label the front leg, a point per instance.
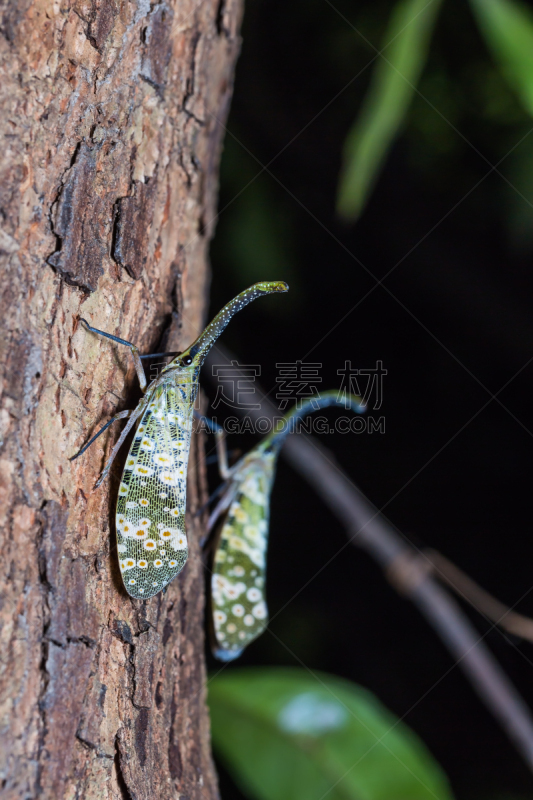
(139, 369)
(131, 422)
(220, 441)
(120, 415)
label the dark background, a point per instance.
(452, 325)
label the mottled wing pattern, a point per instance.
(152, 544)
(239, 565)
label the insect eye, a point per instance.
(186, 361)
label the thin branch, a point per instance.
(463, 585)
(369, 530)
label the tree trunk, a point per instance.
(111, 140)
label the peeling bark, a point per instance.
(108, 176)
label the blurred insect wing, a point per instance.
(239, 610)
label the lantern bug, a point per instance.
(239, 610)
(150, 517)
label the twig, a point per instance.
(463, 585)
(368, 529)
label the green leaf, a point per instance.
(286, 735)
(507, 26)
(394, 79)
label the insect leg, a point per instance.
(120, 415)
(220, 441)
(218, 491)
(233, 455)
(139, 369)
(131, 422)
(222, 453)
(160, 355)
(210, 424)
(221, 507)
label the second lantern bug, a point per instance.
(238, 602)
(150, 516)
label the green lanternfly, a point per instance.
(150, 521)
(239, 611)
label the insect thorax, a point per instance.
(184, 378)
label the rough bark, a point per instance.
(110, 148)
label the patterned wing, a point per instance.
(239, 567)
(152, 544)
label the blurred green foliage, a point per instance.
(507, 28)
(285, 734)
(398, 67)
